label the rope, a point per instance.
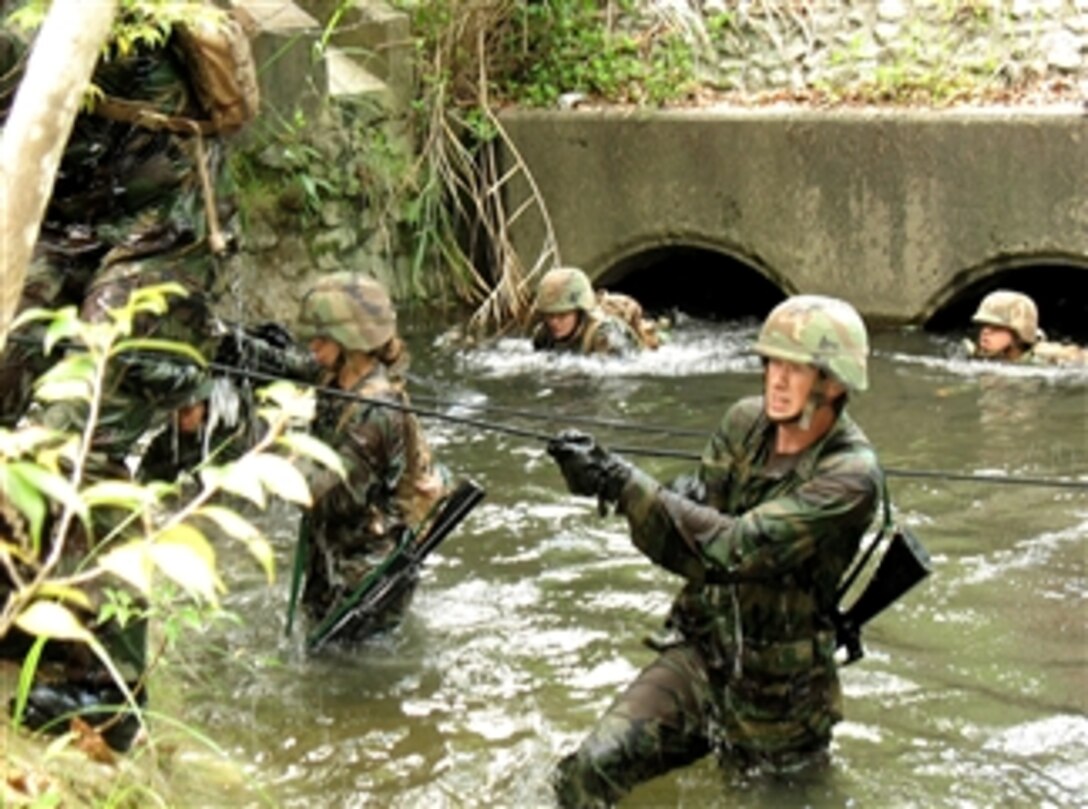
(646, 452)
(634, 451)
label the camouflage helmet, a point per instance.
(351, 309)
(1012, 310)
(826, 333)
(564, 289)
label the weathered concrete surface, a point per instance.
(896, 211)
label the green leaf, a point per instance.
(70, 378)
(261, 550)
(64, 325)
(161, 346)
(119, 493)
(236, 526)
(232, 523)
(309, 447)
(62, 592)
(235, 479)
(48, 619)
(184, 555)
(26, 498)
(53, 485)
(14, 443)
(280, 476)
(26, 680)
(295, 402)
(131, 563)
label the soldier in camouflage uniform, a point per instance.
(128, 209)
(134, 204)
(391, 484)
(746, 669)
(572, 322)
(1009, 331)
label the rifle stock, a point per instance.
(401, 568)
(903, 564)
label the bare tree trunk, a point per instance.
(37, 130)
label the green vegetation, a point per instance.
(80, 551)
(139, 23)
(576, 46)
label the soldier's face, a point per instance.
(786, 388)
(325, 352)
(191, 417)
(995, 340)
(561, 325)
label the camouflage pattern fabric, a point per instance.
(1010, 310)
(596, 333)
(749, 672)
(351, 309)
(564, 289)
(630, 312)
(126, 210)
(356, 523)
(816, 330)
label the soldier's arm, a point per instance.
(614, 338)
(776, 536)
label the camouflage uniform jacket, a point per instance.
(782, 531)
(126, 210)
(597, 333)
(357, 522)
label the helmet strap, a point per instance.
(817, 398)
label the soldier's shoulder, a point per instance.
(611, 334)
(1050, 353)
(742, 417)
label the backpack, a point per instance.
(219, 62)
(222, 71)
(629, 311)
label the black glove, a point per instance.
(691, 487)
(588, 468)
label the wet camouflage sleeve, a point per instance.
(357, 522)
(613, 337)
(759, 527)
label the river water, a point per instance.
(529, 619)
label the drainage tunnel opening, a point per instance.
(699, 283)
(1057, 290)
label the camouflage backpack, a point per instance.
(216, 52)
(629, 311)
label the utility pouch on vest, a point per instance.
(903, 563)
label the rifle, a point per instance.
(902, 565)
(268, 348)
(302, 553)
(399, 570)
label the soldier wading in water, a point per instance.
(1009, 332)
(573, 322)
(746, 669)
(350, 325)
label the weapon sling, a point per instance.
(903, 563)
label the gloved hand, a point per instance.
(588, 468)
(691, 487)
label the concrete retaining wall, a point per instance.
(895, 210)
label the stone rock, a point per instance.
(892, 10)
(1063, 51)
